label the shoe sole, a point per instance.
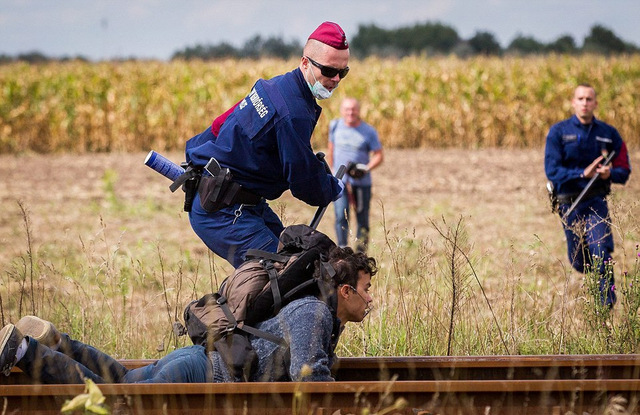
(37, 329)
(3, 343)
(6, 337)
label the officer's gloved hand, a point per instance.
(341, 183)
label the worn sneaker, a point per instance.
(10, 339)
(41, 330)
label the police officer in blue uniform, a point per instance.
(261, 147)
(574, 153)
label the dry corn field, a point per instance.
(414, 102)
(93, 240)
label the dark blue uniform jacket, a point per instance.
(572, 146)
(266, 142)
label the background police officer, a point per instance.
(574, 153)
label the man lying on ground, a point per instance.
(309, 326)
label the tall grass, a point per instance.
(430, 299)
(413, 102)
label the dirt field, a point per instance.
(105, 200)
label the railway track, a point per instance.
(585, 384)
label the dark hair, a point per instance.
(348, 263)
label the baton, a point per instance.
(588, 186)
(320, 212)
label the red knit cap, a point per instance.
(330, 34)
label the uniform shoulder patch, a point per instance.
(255, 111)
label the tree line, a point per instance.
(437, 38)
(431, 38)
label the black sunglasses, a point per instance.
(329, 71)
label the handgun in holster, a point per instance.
(218, 190)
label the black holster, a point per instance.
(219, 191)
(189, 180)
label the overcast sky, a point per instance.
(103, 29)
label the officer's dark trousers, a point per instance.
(231, 231)
(589, 237)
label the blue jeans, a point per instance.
(588, 234)
(71, 364)
(189, 364)
(361, 199)
(257, 227)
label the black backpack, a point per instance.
(256, 291)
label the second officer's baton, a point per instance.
(588, 186)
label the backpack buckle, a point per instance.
(221, 300)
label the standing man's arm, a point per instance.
(377, 157)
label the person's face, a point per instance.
(328, 57)
(355, 300)
(584, 103)
(350, 111)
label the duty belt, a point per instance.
(215, 185)
(233, 193)
(218, 190)
(569, 198)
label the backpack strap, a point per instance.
(267, 336)
(323, 285)
(260, 254)
(221, 300)
(273, 283)
(266, 260)
(299, 288)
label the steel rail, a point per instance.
(425, 397)
(490, 367)
(626, 366)
(428, 385)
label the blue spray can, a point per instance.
(163, 165)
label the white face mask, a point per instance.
(318, 90)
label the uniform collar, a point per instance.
(577, 123)
(306, 92)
